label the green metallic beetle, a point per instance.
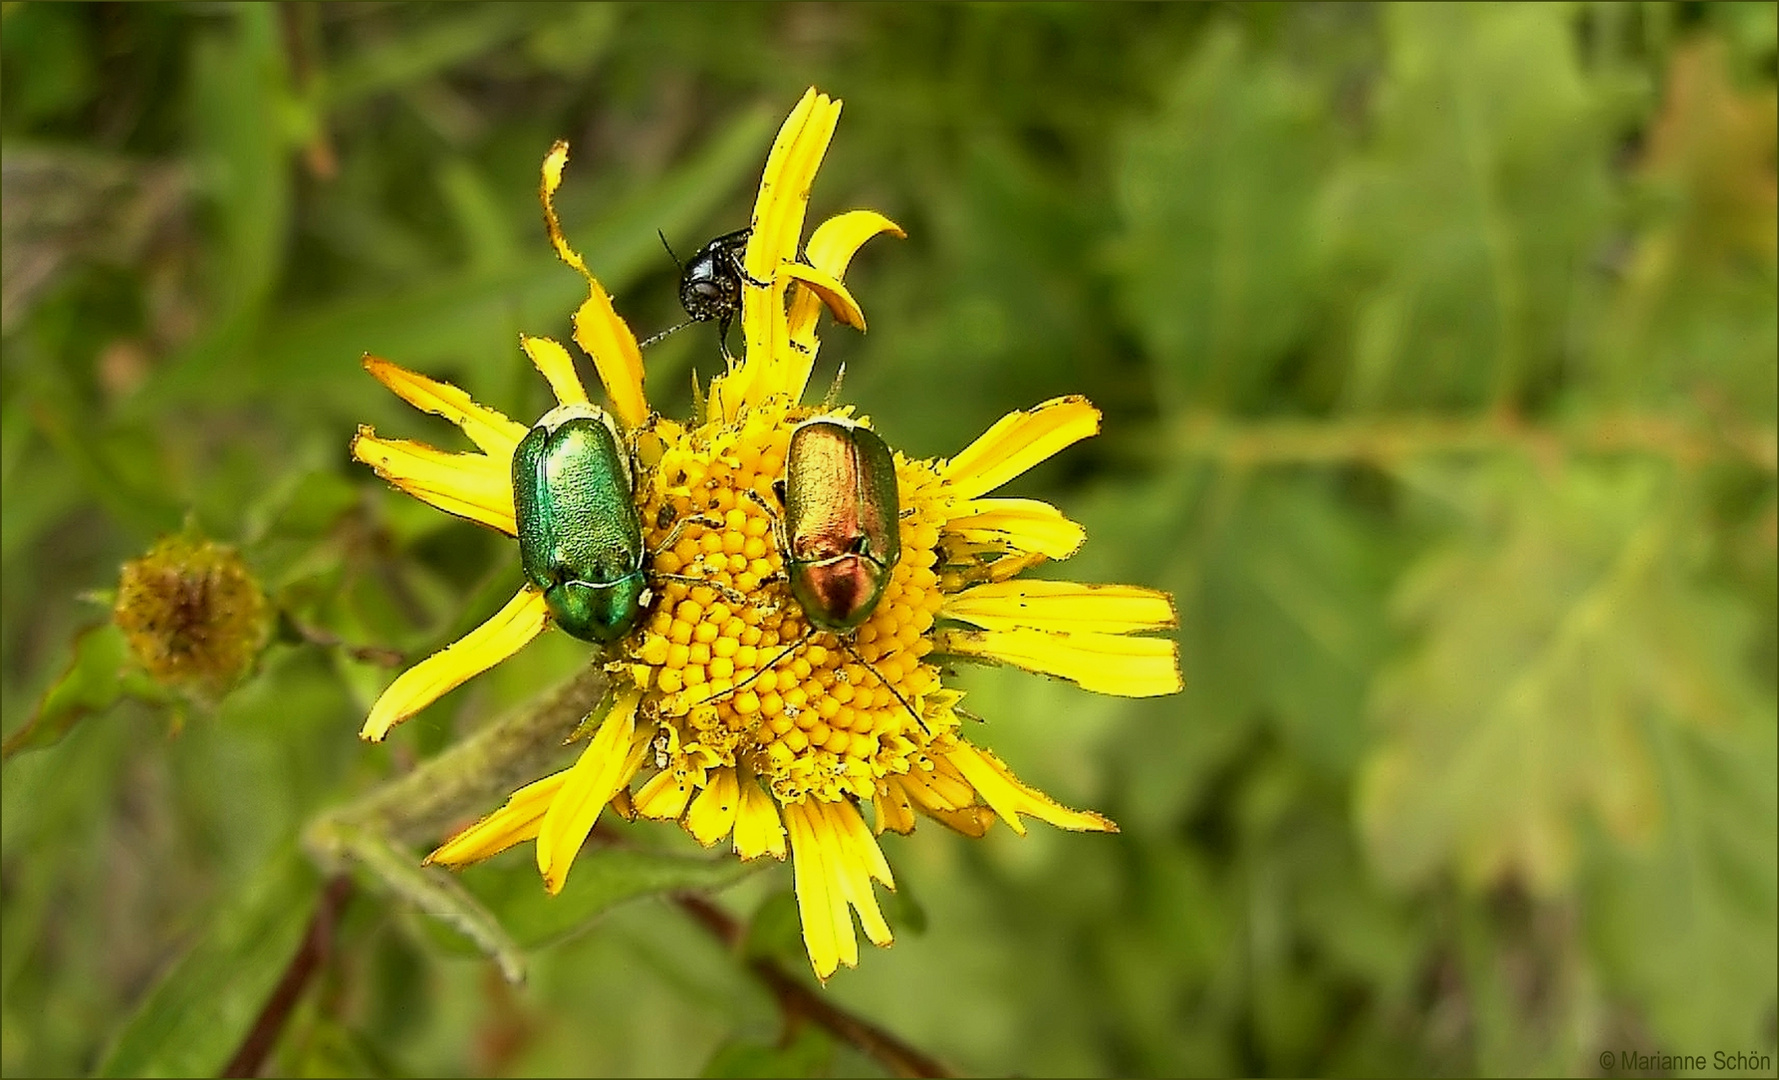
(580, 539)
(841, 531)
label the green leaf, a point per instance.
(775, 931)
(602, 879)
(466, 316)
(1560, 644)
(1685, 924)
(1693, 312)
(194, 1019)
(96, 677)
(807, 1054)
(1216, 193)
(328, 1048)
(1465, 229)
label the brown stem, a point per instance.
(317, 942)
(796, 999)
(380, 655)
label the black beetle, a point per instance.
(710, 284)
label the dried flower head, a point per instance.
(193, 613)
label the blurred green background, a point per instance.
(1437, 350)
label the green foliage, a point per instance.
(600, 881)
(191, 1021)
(97, 677)
(1437, 349)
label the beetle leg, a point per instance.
(723, 335)
(681, 525)
(741, 272)
(734, 596)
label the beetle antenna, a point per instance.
(788, 650)
(897, 694)
(670, 254)
(651, 339)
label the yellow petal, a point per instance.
(1018, 441)
(713, 812)
(508, 631)
(850, 827)
(777, 227)
(893, 810)
(608, 763)
(494, 433)
(836, 240)
(554, 162)
(597, 328)
(942, 788)
(790, 371)
(947, 799)
(1022, 524)
(513, 823)
(1010, 798)
(607, 339)
(665, 796)
(971, 821)
(758, 830)
(557, 367)
(473, 486)
(831, 292)
(1103, 663)
(1064, 606)
(830, 250)
(821, 906)
(854, 854)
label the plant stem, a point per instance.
(311, 955)
(373, 833)
(462, 781)
(796, 999)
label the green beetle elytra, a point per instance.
(841, 526)
(580, 540)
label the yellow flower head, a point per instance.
(731, 712)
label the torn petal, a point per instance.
(713, 812)
(513, 823)
(557, 367)
(830, 250)
(758, 830)
(472, 486)
(1062, 606)
(1103, 663)
(1017, 442)
(1010, 797)
(830, 291)
(490, 430)
(1021, 524)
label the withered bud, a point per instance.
(193, 613)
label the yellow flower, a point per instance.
(730, 713)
